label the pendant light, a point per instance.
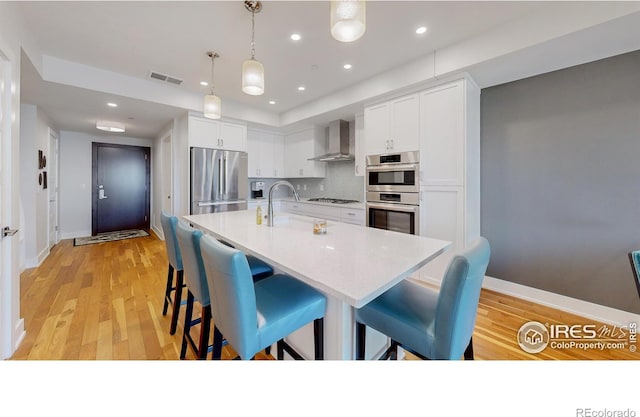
(252, 70)
(212, 107)
(348, 20)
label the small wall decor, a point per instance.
(40, 179)
(40, 159)
(44, 179)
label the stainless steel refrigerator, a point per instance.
(218, 180)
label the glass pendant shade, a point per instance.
(252, 77)
(348, 21)
(212, 106)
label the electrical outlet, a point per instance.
(304, 187)
(321, 187)
(298, 187)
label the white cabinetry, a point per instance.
(340, 214)
(266, 154)
(450, 165)
(301, 146)
(392, 126)
(207, 133)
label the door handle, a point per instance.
(101, 195)
(8, 232)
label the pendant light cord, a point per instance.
(213, 57)
(253, 35)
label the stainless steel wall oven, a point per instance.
(393, 192)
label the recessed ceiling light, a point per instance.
(295, 37)
(112, 105)
(421, 30)
(301, 88)
(110, 126)
(204, 83)
(347, 66)
(272, 102)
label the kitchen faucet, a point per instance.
(273, 187)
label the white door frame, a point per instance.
(54, 196)
(167, 174)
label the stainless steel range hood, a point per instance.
(338, 149)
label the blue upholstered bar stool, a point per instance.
(430, 324)
(634, 257)
(198, 289)
(175, 264)
(253, 317)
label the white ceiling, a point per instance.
(134, 38)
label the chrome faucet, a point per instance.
(273, 187)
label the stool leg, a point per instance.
(217, 343)
(318, 338)
(361, 336)
(177, 299)
(187, 324)
(205, 326)
(280, 346)
(468, 353)
(167, 292)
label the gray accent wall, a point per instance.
(560, 180)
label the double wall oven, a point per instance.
(393, 191)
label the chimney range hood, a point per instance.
(338, 143)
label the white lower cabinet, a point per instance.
(340, 214)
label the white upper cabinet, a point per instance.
(442, 138)
(299, 147)
(393, 126)
(266, 154)
(207, 133)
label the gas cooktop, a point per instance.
(333, 200)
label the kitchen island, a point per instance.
(350, 264)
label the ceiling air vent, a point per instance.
(163, 77)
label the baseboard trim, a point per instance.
(71, 235)
(18, 334)
(158, 232)
(581, 308)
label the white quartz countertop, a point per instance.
(352, 263)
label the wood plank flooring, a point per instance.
(104, 301)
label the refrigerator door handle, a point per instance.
(219, 203)
(224, 170)
(220, 176)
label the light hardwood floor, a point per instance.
(104, 301)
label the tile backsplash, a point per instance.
(340, 182)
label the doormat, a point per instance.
(109, 237)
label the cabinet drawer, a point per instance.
(353, 216)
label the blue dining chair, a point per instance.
(634, 258)
(252, 317)
(173, 292)
(198, 289)
(428, 323)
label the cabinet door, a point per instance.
(253, 153)
(442, 147)
(299, 147)
(266, 155)
(203, 133)
(233, 137)
(442, 217)
(360, 162)
(404, 127)
(376, 129)
(294, 153)
(278, 156)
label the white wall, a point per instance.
(75, 178)
(34, 136)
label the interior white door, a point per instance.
(8, 265)
(52, 166)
